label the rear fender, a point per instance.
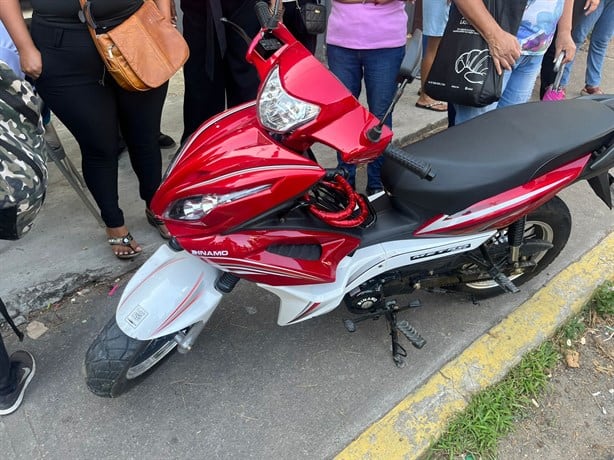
(170, 292)
(597, 173)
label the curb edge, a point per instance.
(408, 429)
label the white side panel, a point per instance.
(299, 303)
(170, 292)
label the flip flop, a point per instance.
(433, 106)
(157, 223)
(125, 242)
(589, 90)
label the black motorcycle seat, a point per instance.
(497, 151)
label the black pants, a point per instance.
(233, 81)
(7, 380)
(547, 73)
(77, 89)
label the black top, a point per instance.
(66, 11)
(228, 6)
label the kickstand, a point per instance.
(389, 311)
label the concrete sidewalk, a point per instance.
(250, 388)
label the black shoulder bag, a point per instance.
(463, 71)
(314, 16)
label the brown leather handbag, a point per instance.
(142, 52)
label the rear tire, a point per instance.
(550, 222)
(114, 362)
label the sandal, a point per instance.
(125, 242)
(590, 90)
(158, 223)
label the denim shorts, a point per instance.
(434, 17)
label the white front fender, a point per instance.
(170, 292)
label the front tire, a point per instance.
(550, 222)
(114, 362)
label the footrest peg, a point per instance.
(411, 334)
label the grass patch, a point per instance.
(491, 414)
(602, 302)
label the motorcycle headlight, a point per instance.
(196, 207)
(280, 112)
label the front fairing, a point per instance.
(232, 152)
(342, 123)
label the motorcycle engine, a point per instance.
(364, 300)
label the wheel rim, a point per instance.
(532, 229)
(151, 355)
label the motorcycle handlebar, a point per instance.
(420, 168)
(264, 15)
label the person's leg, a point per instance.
(582, 27)
(242, 80)
(139, 116)
(71, 88)
(547, 73)
(77, 88)
(16, 374)
(346, 64)
(424, 100)
(451, 115)
(7, 382)
(381, 68)
(463, 113)
(434, 19)
(519, 85)
(600, 38)
(203, 96)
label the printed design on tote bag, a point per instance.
(473, 65)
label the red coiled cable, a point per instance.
(341, 218)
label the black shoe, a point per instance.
(165, 141)
(24, 366)
(372, 191)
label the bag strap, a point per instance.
(9, 320)
(85, 14)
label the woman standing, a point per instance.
(61, 59)
(366, 40)
(216, 75)
(600, 27)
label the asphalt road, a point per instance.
(251, 389)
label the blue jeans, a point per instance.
(601, 22)
(517, 88)
(379, 68)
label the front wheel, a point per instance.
(550, 223)
(114, 362)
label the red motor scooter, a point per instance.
(473, 208)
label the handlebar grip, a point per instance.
(263, 13)
(420, 168)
